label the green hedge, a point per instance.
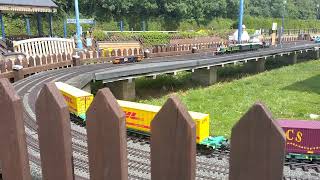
(15, 25)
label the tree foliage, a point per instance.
(172, 15)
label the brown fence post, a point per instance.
(13, 151)
(54, 134)
(9, 65)
(38, 60)
(173, 143)
(2, 67)
(106, 133)
(257, 147)
(43, 60)
(64, 56)
(76, 60)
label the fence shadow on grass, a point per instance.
(310, 85)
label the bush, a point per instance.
(99, 35)
(154, 38)
(220, 23)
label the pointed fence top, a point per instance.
(173, 143)
(106, 131)
(13, 153)
(7, 90)
(54, 133)
(257, 146)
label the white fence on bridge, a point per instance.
(44, 46)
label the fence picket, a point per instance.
(13, 151)
(2, 67)
(38, 61)
(54, 133)
(107, 126)
(173, 143)
(257, 147)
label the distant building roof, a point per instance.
(28, 6)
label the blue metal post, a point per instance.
(143, 26)
(2, 27)
(121, 25)
(50, 25)
(282, 26)
(28, 26)
(240, 21)
(39, 23)
(65, 28)
(79, 42)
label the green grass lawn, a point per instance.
(289, 92)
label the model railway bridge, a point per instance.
(203, 67)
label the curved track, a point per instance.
(138, 152)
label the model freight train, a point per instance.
(234, 48)
(221, 49)
(138, 116)
(302, 136)
(127, 59)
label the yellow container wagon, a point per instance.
(139, 117)
(77, 100)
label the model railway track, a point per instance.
(213, 165)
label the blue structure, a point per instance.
(2, 27)
(65, 29)
(50, 24)
(240, 21)
(79, 42)
(143, 26)
(28, 26)
(39, 24)
(283, 14)
(121, 26)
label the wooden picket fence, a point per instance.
(39, 63)
(257, 142)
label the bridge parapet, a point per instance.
(44, 46)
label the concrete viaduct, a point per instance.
(121, 79)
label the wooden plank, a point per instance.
(257, 147)
(9, 65)
(2, 67)
(31, 62)
(17, 61)
(13, 151)
(173, 143)
(59, 57)
(107, 125)
(54, 58)
(95, 54)
(36, 69)
(38, 61)
(54, 133)
(8, 75)
(68, 57)
(43, 60)
(64, 56)
(81, 55)
(49, 59)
